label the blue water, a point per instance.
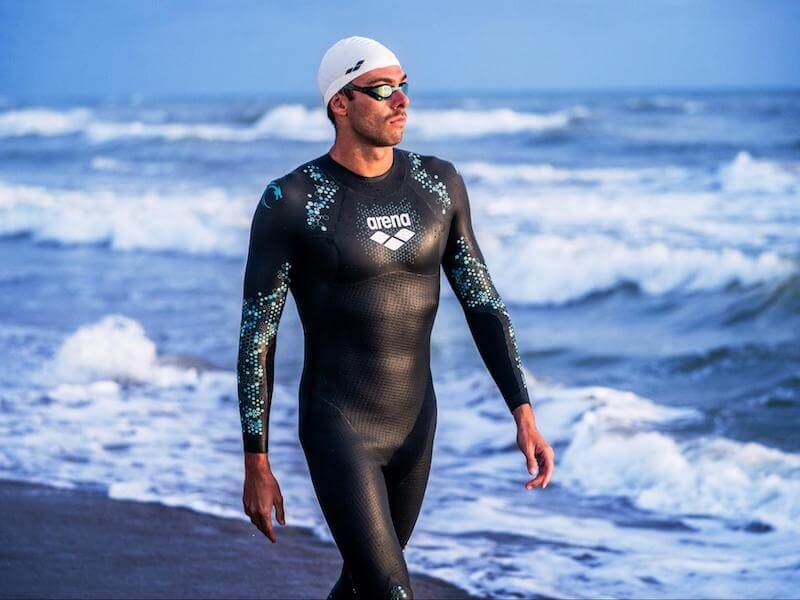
(646, 245)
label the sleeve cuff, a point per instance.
(517, 399)
(254, 443)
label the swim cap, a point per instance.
(347, 59)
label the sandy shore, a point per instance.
(78, 544)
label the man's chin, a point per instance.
(385, 138)
(389, 140)
(395, 137)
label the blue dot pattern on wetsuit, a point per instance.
(260, 316)
(365, 255)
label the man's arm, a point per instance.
(266, 284)
(491, 328)
(484, 309)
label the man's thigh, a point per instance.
(350, 486)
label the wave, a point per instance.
(111, 352)
(44, 122)
(544, 173)
(207, 221)
(559, 269)
(743, 173)
(730, 358)
(128, 430)
(748, 174)
(459, 123)
(107, 378)
(662, 103)
(287, 121)
(779, 300)
(290, 121)
(615, 443)
(115, 165)
(707, 475)
(126, 417)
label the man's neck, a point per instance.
(363, 159)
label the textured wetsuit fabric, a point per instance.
(362, 258)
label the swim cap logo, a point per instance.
(395, 241)
(355, 67)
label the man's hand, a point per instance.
(538, 453)
(261, 493)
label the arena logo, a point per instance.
(396, 240)
(386, 221)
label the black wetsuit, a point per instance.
(361, 256)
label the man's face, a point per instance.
(379, 122)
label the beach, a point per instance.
(62, 543)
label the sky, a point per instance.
(166, 47)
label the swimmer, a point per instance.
(359, 236)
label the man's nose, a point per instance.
(399, 99)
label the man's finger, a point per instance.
(269, 531)
(546, 477)
(551, 465)
(258, 522)
(535, 481)
(531, 460)
(548, 472)
(279, 510)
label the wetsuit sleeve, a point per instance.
(486, 313)
(266, 283)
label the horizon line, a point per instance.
(686, 89)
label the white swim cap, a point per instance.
(347, 59)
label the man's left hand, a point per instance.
(538, 453)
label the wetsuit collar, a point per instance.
(379, 185)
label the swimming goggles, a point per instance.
(380, 92)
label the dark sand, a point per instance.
(78, 544)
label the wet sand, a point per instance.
(58, 543)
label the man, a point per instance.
(359, 236)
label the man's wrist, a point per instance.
(524, 416)
(258, 461)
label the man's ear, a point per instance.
(338, 104)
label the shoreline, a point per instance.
(66, 543)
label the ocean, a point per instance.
(646, 244)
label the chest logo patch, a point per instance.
(397, 239)
(389, 232)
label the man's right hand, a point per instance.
(261, 493)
